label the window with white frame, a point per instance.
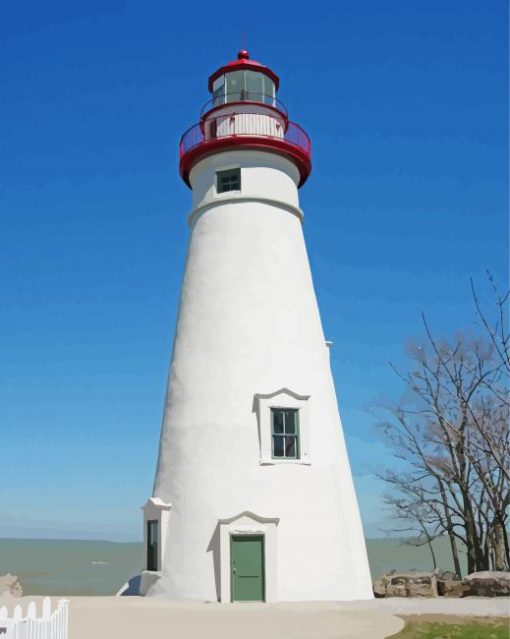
(156, 515)
(283, 421)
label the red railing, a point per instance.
(253, 125)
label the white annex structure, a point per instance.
(253, 497)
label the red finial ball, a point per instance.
(243, 55)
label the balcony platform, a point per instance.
(253, 128)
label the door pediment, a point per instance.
(247, 517)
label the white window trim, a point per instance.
(282, 398)
(248, 523)
(156, 509)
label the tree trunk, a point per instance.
(499, 547)
(475, 555)
(488, 551)
(449, 529)
(434, 562)
(455, 552)
(506, 547)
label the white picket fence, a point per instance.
(49, 625)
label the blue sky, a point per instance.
(406, 105)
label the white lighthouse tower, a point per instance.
(253, 497)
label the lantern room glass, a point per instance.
(219, 90)
(254, 86)
(241, 86)
(235, 86)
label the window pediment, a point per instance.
(282, 391)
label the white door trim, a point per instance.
(247, 523)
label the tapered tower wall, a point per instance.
(249, 334)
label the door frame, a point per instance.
(262, 538)
(249, 523)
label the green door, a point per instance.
(247, 567)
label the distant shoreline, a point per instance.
(139, 541)
(92, 567)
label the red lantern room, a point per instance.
(244, 113)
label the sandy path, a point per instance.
(137, 618)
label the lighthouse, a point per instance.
(253, 497)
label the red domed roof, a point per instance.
(243, 62)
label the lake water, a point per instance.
(69, 567)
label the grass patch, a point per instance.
(449, 627)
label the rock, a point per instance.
(10, 586)
(452, 588)
(408, 584)
(379, 587)
(397, 587)
(446, 575)
(442, 583)
(488, 583)
(421, 584)
(489, 574)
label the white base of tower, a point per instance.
(249, 337)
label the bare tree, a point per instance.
(451, 435)
(410, 506)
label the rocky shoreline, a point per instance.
(441, 583)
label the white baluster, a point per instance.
(31, 611)
(44, 630)
(66, 618)
(46, 608)
(16, 616)
(28, 631)
(4, 622)
(58, 621)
